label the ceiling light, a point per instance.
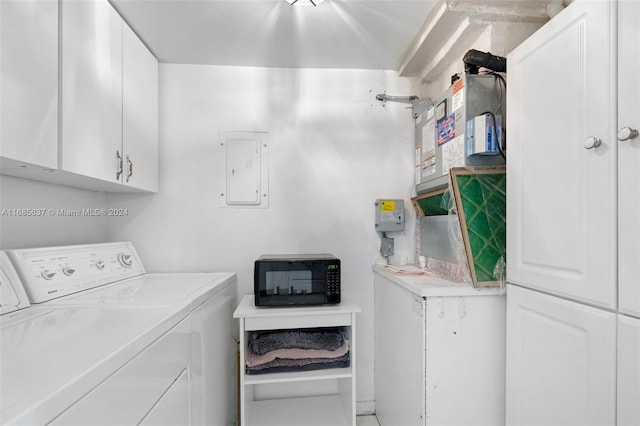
(304, 2)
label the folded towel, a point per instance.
(291, 365)
(253, 360)
(329, 339)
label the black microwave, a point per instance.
(304, 279)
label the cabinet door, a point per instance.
(629, 156)
(561, 197)
(91, 89)
(465, 356)
(29, 81)
(628, 371)
(399, 355)
(139, 113)
(561, 361)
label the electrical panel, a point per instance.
(389, 215)
(243, 169)
(461, 128)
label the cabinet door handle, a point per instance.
(627, 133)
(592, 142)
(130, 168)
(118, 165)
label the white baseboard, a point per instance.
(365, 408)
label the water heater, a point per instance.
(464, 127)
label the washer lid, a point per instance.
(166, 289)
(12, 294)
(52, 356)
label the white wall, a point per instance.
(19, 229)
(333, 149)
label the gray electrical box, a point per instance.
(389, 215)
(458, 130)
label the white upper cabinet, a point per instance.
(561, 186)
(91, 89)
(79, 104)
(29, 81)
(139, 113)
(629, 156)
(110, 98)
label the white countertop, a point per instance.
(427, 284)
(52, 354)
(248, 309)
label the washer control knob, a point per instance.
(125, 259)
(68, 271)
(48, 274)
(100, 264)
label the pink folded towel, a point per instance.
(253, 360)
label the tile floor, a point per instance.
(367, 421)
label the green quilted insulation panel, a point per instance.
(483, 199)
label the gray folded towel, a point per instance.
(330, 339)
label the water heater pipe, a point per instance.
(406, 99)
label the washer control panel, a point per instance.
(52, 272)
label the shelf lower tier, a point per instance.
(310, 411)
(302, 376)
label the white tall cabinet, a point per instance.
(561, 361)
(572, 229)
(628, 371)
(629, 157)
(628, 213)
(562, 197)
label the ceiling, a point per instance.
(359, 34)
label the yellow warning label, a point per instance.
(388, 206)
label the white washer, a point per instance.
(53, 357)
(94, 309)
